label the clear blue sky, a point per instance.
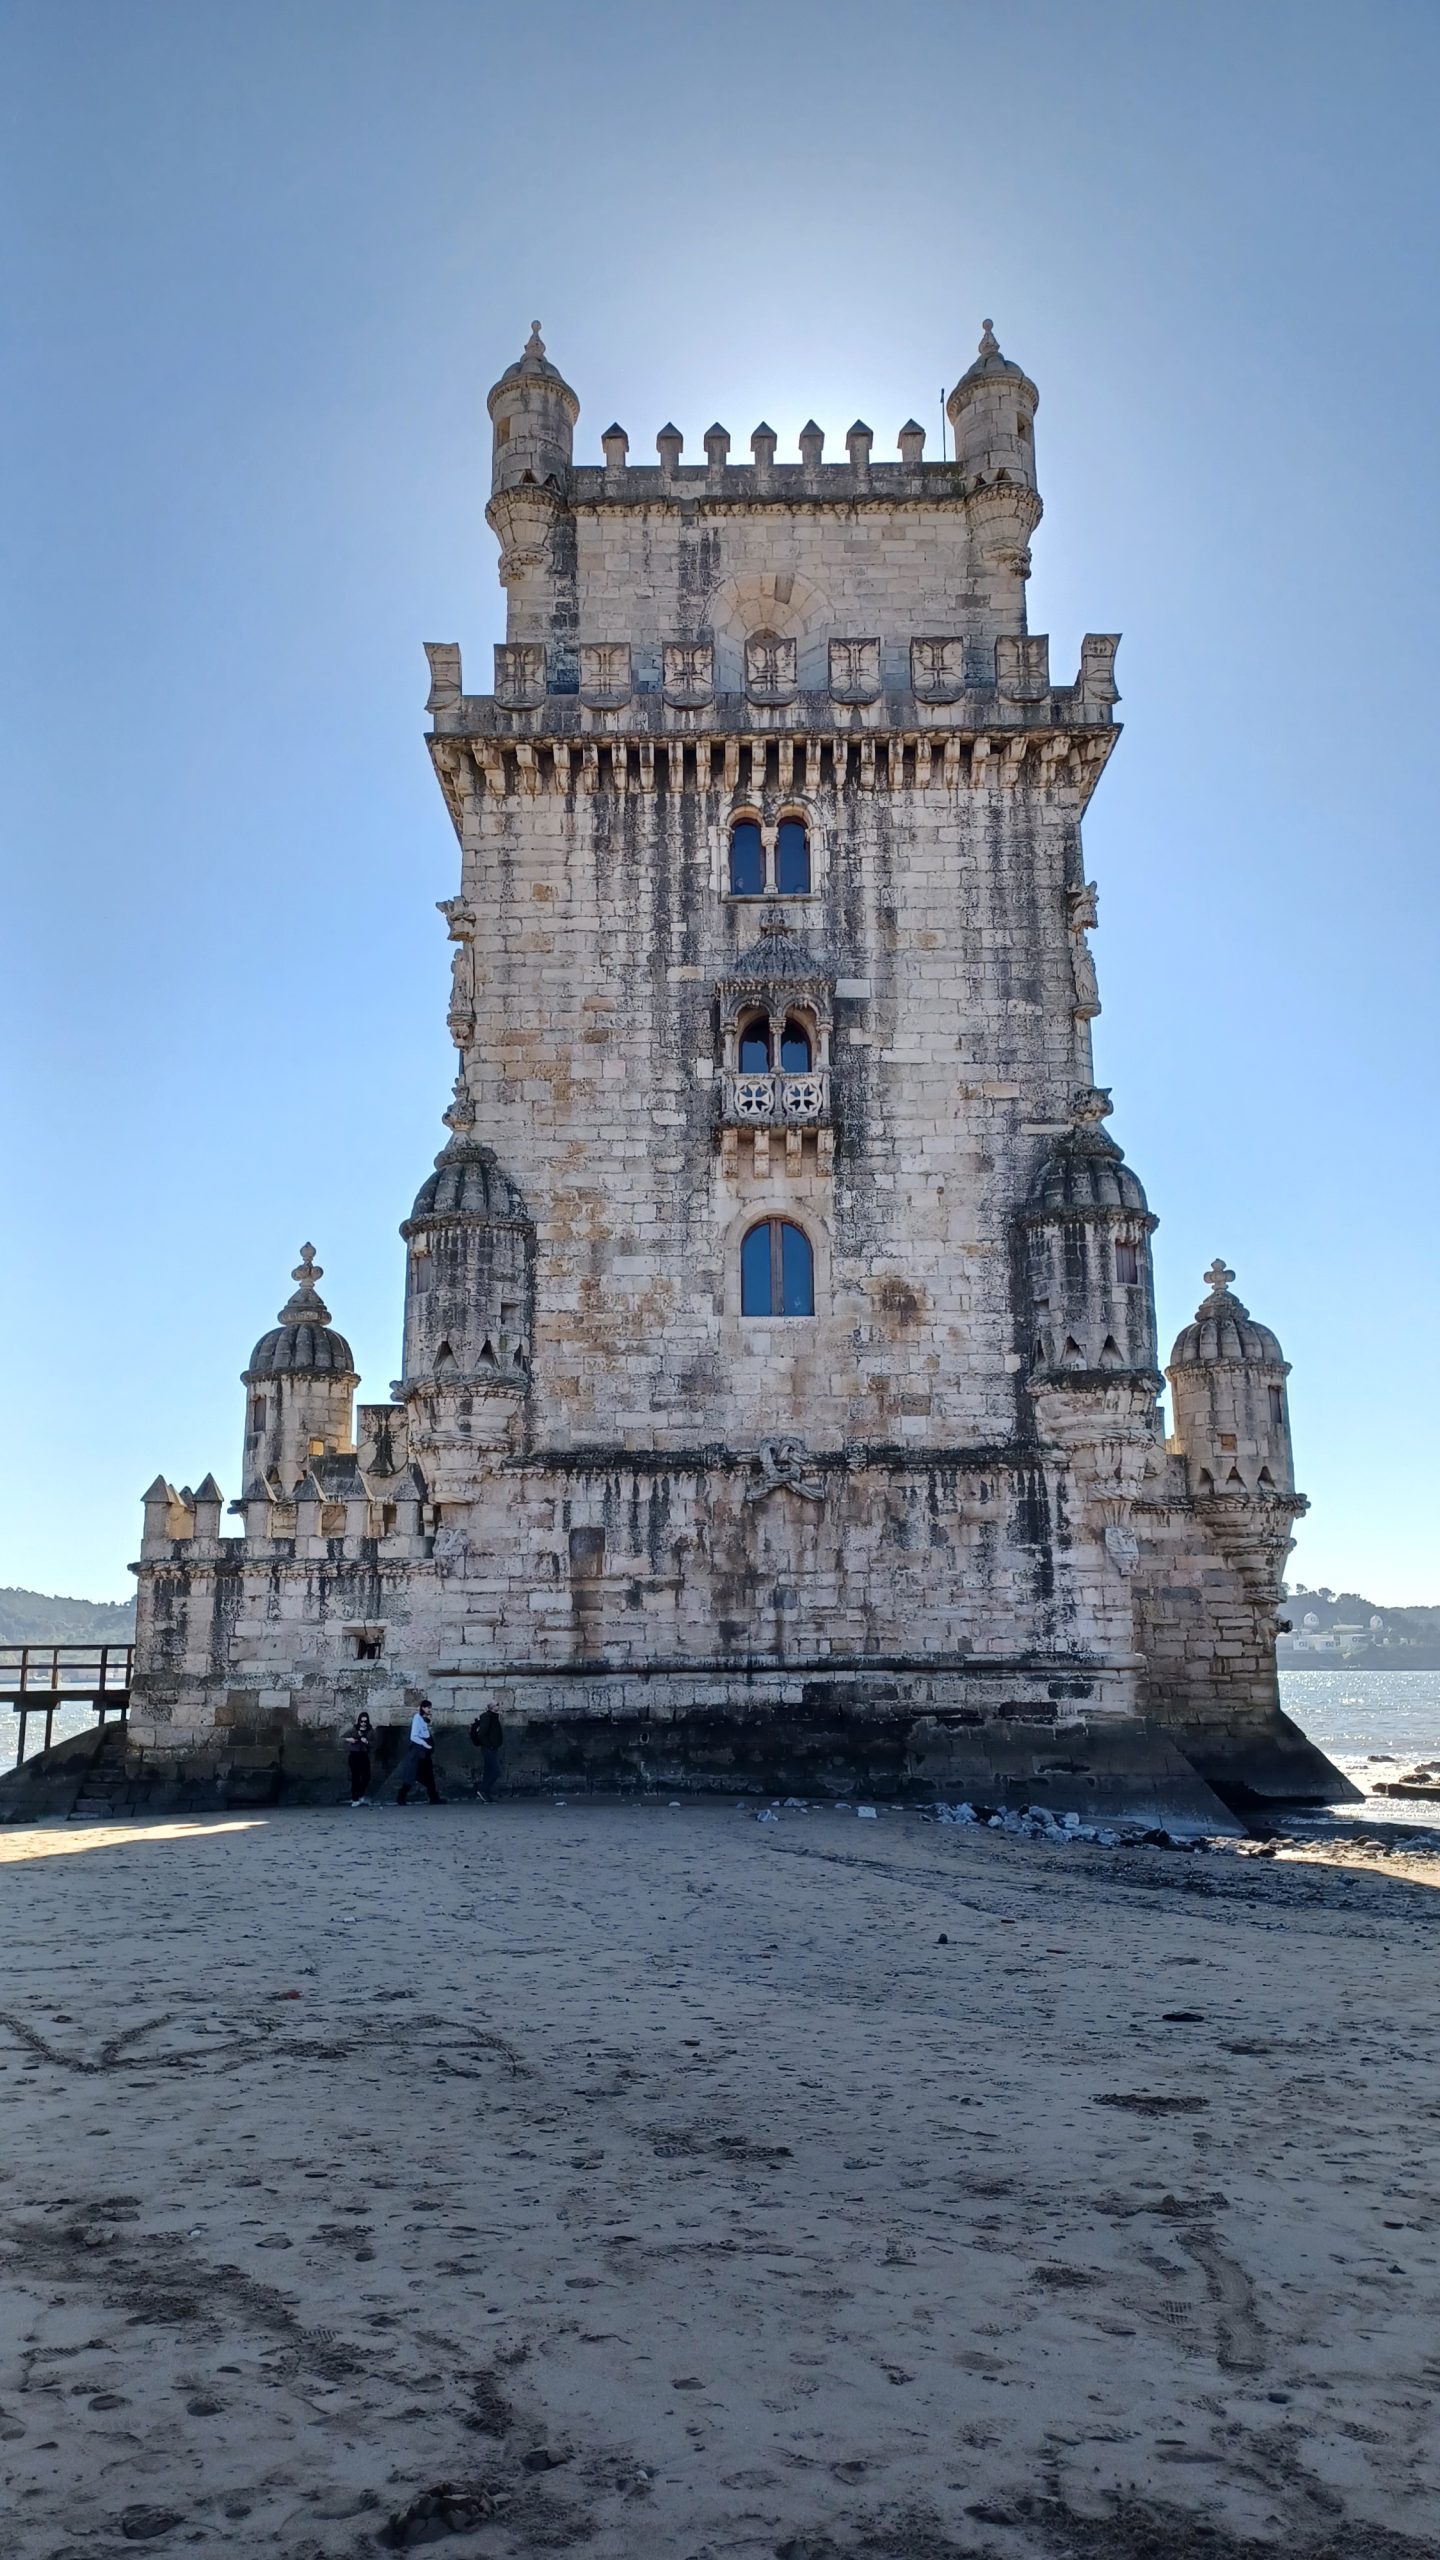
(265, 259)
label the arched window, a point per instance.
(792, 859)
(796, 1056)
(777, 1271)
(754, 1046)
(747, 860)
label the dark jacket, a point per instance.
(487, 1732)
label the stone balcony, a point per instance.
(775, 1101)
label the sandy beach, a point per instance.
(663, 2182)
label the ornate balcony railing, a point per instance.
(770, 1101)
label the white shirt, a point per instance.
(420, 1736)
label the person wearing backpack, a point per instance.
(488, 1736)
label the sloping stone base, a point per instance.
(1267, 1763)
(1122, 1771)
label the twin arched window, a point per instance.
(777, 1270)
(786, 861)
(754, 1049)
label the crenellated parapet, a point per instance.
(932, 681)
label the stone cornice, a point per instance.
(691, 752)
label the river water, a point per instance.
(1374, 1725)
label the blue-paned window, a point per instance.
(777, 1271)
(792, 859)
(747, 860)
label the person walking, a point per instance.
(488, 1735)
(359, 1743)
(418, 1767)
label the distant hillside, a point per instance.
(1343, 1624)
(37, 1617)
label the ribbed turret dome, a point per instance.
(304, 1343)
(534, 366)
(1087, 1170)
(467, 1183)
(990, 366)
(1224, 1330)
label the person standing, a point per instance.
(488, 1735)
(359, 1743)
(419, 1764)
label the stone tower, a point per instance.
(780, 1395)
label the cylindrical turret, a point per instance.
(301, 1386)
(1227, 1385)
(1087, 1228)
(534, 412)
(469, 1300)
(992, 410)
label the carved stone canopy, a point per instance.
(778, 969)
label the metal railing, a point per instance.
(42, 1680)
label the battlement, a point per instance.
(604, 687)
(785, 484)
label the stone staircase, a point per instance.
(105, 1790)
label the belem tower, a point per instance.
(779, 1403)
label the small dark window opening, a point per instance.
(792, 859)
(368, 1648)
(1277, 1408)
(755, 1047)
(777, 1271)
(1127, 1264)
(795, 1053)
(257, 1413)
(747, 860)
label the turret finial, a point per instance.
(306, 1306)
(1218, 1277)
(535, 344)
(989, 343)
(461, 1114)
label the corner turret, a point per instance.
(534, 414)
(1227, 1384)
(301, 1385)
(1087, 1229)
(469, 1298)
(992, 411)
(1093, 1383)
(533, 411)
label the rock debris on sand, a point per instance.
(675, 2190)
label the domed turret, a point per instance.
(469, 1296)
(992, 410)
(1227, 1383)
(533, 410)
(1087, 1227)
(534, 413)
(301, 1381)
